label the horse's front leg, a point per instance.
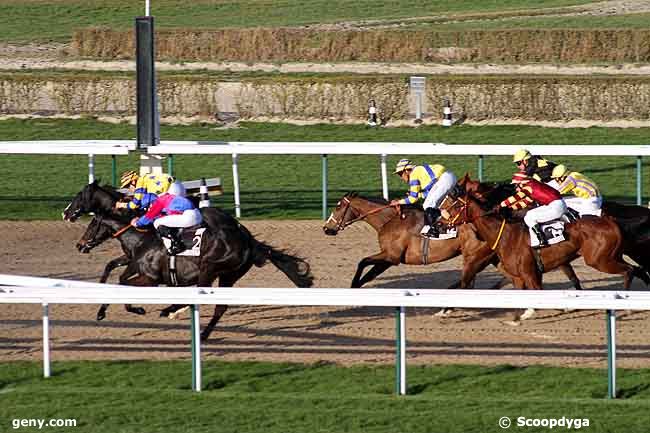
(380, 261)
(110, 266)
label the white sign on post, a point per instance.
(418, 85)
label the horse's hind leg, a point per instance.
(172, 309)
(225, 280)
(571, 275)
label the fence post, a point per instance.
(324, 186)
(400, 350)
(113, 170)
(639, 170)
(46, 340)
(384, 177)
(235, 183)
(480, 168)
(170, 165)
(611, 354)
(196, 349)
(91, 168)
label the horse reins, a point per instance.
(118, 233)
(465, 210)
(121, 231)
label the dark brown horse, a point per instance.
(400, 241)
(598, 240)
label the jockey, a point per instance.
(145, 189)
(170, 211)
(551, 205)
(534, 166)
(430, 182)
(587, 200)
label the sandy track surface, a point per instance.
(303, 334)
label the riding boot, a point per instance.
(572, 214)
(430, 228)
(540, 236)
(172, 234)
(434, 231)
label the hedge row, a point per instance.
(477, 97)
(287, 45)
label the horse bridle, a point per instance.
(463, 209)
(342, 224)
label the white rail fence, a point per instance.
(381, 149)
(32, 290)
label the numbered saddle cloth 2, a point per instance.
(191, 237)
(553, 232)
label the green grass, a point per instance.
(39, 187)
(627, 21)
(268, 398)
(56, 20)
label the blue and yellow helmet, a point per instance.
(404, 164)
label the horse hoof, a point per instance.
(164, 313)
(444, 312)
(512, 322)
(101, 316)
(530, 312)
(175, 315)
(139, 310)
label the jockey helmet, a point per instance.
(177, 188)
(559, 171)
(520, 177)
(404, 164)
(521, 155)
(128, 177)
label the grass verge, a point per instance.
(141, 396)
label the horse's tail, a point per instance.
(296, 268)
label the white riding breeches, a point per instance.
(542, 214)
(188, 218)
(585, 206)
(439, 190)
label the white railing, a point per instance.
(22, 289)
(71, 147)
(383, 149)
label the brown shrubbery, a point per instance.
(335, 97)
(287, 44)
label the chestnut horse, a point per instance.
(400, 241)
(598, 240)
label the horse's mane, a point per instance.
(375, 200)
(497, 193)
(110, 190)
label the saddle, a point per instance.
(191, 238)
(553, 232)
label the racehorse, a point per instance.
(633, 220)
(598, 240)
(400, 241)
(228, 250)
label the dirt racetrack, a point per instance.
(304, 334)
